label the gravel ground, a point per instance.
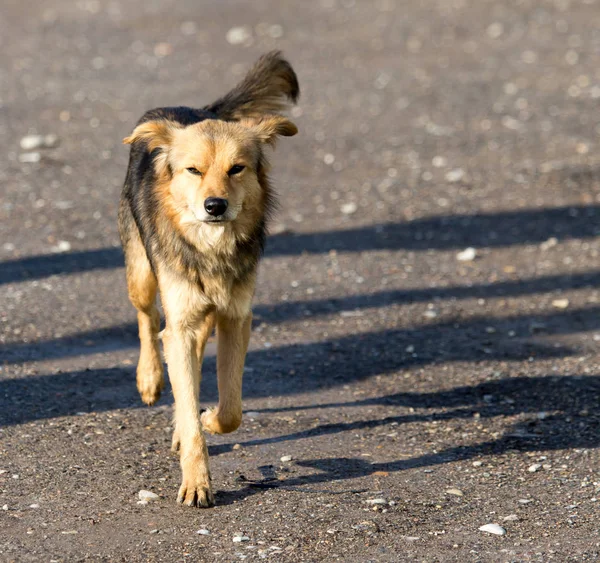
(424, 352)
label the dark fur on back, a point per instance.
(265, 89)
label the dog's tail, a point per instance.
(268, 88)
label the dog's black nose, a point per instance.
(215, 206)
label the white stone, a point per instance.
(238, 35)
(455, 492)
(349, 208)
(467, 255)
(286, 458)
(203, 532)
(376, 501)
(62, 246)
(535, 467)
(493, 529)
(147, 495)
(455, 175)
(32, 142)
(560, 303)
(239, 539)
(30, 157)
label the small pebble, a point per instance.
(467, 255)
(477, 463)
(32, 142)
(560, 303)
(34, 505)
(286, 458)
(349, 208)
(455, 492)
(511, 518)
(376, 501)
(62, 246)
(493, 529)
(455, 175)
(5, 507)
(535, 467)
(238, 35)
(550, 243)
(524, 500)
(30, 157)
(147, 495)
(203, 532)
(239, 539)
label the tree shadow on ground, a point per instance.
(297, 368)
(562, 413)
(505, 228)
(124, 336)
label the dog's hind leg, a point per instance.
(202, 335)
(142, 287)
(232, 344)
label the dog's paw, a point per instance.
(196, 490)
(214, 422)
(150, 381)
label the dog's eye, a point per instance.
(235, 169)
(194, 171)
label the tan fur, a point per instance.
(194, 302)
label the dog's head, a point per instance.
(211, 171)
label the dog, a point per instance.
(192, 220)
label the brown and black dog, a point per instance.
(192, 221)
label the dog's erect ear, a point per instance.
(269, 127)
(157, 134)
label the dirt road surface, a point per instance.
(424, 356)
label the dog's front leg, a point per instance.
(232, 344)
(182, 361)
